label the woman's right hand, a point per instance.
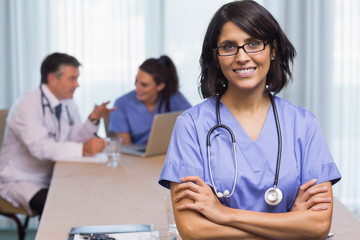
(203, 199)
(309, 197)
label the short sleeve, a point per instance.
(183, 156)
(118, 120)
(317, 161)
(179, 102)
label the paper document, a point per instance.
(121, 236)
(97, 158)
(112, 232)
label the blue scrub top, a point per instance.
(132, 116)
(305, 154)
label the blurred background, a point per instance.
(111, 38)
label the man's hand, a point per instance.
(100, 111)
(93, 146)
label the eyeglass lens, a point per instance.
(250, 47)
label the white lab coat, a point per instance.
(33, 140)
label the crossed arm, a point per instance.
(200, 215)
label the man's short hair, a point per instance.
(53, 62)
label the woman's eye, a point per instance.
(254, 44)
(229, 47)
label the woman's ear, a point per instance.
(160, 87)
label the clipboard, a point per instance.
(105, 231)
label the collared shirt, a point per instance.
(305, 154)
(33, 140)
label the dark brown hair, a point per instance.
(256, 21)
(163, 70)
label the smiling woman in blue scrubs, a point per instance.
(157, 91)
(245, 58)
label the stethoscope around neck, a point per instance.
(273, 195)
(47, 104)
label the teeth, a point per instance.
(244, 71)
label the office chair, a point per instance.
(3, 116)
(106, 119)
(6, 208)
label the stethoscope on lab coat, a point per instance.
(47, 104)
(273, 195)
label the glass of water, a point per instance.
(163, 234)
(113, 151)
(170, 215)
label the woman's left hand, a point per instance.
(309, 197)
(204, 199)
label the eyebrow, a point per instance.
(232, 42)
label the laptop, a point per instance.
(159, 138)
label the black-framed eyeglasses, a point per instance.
(250, 47)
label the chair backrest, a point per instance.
(3, 116)
(106, 119)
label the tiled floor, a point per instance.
(8, 228)
(12, 234)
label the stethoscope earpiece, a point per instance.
(225, 194)
(273, 196)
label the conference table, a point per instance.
(89, 194)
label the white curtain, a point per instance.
(108, 37)
(23, 42)
(345, 110)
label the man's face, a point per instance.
(64, 82)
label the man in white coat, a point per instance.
(43, 126)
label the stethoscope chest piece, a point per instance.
(273, 196)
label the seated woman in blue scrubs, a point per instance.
(221, 191)
(157, 91)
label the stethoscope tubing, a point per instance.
(220, 125)
(44, 105)
(278, 130)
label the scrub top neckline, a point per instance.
(232, 121)
(255, 152)
(156, 109)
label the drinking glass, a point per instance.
(113, 151)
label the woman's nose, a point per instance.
(241, 55)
